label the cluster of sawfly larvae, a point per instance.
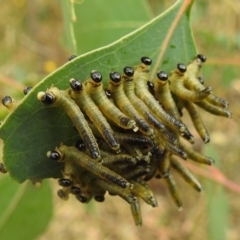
(131, 131)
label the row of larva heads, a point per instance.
(131, 131)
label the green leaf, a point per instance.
(24, 211)
(33, 129)
(98, 23)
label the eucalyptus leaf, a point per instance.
(25, 211)
(92, 24)
(33, 129)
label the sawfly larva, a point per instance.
(56, 97)
(95, 90)
(86, 104)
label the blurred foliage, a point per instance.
(32, 46)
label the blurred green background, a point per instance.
(34, 42)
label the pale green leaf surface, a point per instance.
(99, 23)
(24, 211)
(33, 129)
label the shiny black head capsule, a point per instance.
(80, 145)
(76, 85)
(200, 80)
(46, 98)
(72, 57)
(2, 168)
(202, 57)
(115, 77)
(146, 60)
(64, 182)
(75, 190)
(182, 67)
(53, 155)
(99, 198)
(162, 76)
(128, 71)
(82, 199)
(6, 100)
(108, 93)
(26, 90)
(96, 76)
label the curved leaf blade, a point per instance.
(33, 129)
(25, 212)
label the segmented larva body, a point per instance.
(144, 192)
(173, 190)
(186, 175)
(177, 79)
(197, 121)
(129, 88)
(85, 103)
(116, 87)
(136, 212)
(60, 98)
(140, 80)
(95, 90)
(73, 154)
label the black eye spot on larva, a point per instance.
(128, 71)
(200, 79)
(64, 182)
(99, 198)
(182, 67)
(146, 60)
(75, 190)
(115, 77)
(26, 90)
(202, 57)
(6, 100)
(46, 98)
(162, 76)
(2, 168)
(80, 145)
(53, 155)
(72, 57)
(76, 85)
(108, 93)
(82, 199)
(96, 76)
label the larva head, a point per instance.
(200, 79)
(115, 78)
(81, 199)
(26, 90)
(162, 76)
(150, 85)
(146, 61)
(72, 57)
(6, 100)
(80, 145)
(96, 77)
(75, 190)
(182, 68)
(64, 182)
(108, 93)
(54, 155)
(62, 194)
(99, 198)
(202, 58)
(2, 168)
(128, 71)
(46, 98)
(76, 85)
